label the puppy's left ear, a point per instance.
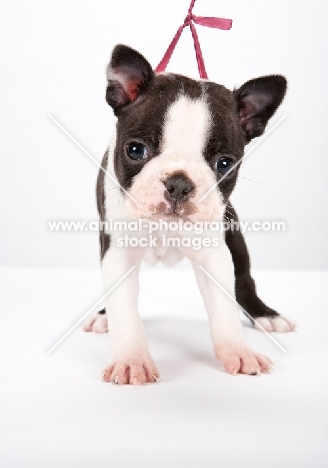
(257, 101)
(128, 74)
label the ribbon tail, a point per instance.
(199, 55)
(218, 23)
(168, 54)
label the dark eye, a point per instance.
(136, 150)
(223, 165)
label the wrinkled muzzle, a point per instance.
(173, 190)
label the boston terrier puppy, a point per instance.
(175, 139)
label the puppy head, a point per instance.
(178, 137)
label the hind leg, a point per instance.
(246, 294)
(265, 317)
(97, 323)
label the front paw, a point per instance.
(131, 370)
(239, 359)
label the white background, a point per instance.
(57, 413)
(53, 58)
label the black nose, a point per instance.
(178, 187)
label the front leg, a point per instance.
(131, 360)
(226, 331)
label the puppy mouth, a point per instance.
(170, 216)
(173, 211)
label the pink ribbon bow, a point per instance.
(218, 23)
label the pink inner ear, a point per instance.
(247, 111)
(132, 88)
(129, 81)
(253, 104)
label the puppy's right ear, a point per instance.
(128, 74)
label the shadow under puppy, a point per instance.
(175, 138)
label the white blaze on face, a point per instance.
(185, 133)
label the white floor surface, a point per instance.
(56, 412)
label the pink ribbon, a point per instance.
(217, 23)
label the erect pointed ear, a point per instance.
(257, 101)
(128, 75)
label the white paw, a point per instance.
(275, 324)
(239, 359)
(97, 324)
(131, 370)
